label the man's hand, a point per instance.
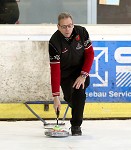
(78, 82)
(57, 103)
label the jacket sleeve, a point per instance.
(55, 69)
(88, 54)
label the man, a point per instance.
(71, 57)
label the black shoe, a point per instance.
(76, 131)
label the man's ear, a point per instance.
(58, 26)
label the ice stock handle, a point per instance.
(57, 113)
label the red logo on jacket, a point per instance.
(77, 38)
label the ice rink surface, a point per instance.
(97, 135)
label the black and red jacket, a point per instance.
(69, 55)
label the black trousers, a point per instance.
(75, 98)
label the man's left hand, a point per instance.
(79, 81)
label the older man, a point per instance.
(71, 57)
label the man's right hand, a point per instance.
(57, 103)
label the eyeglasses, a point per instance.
(67, 26)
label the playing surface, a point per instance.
(102, 135)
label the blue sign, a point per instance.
(111, 72)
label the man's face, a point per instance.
(66, 26)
